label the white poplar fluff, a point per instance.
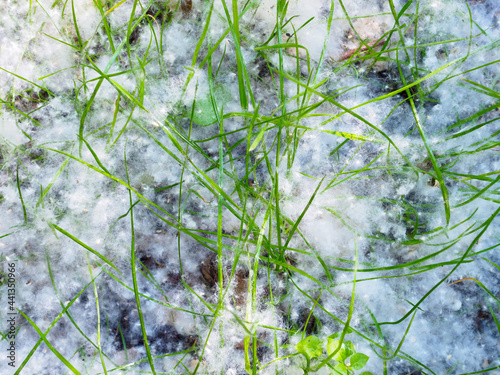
(232, 187)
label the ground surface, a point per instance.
(249, 187)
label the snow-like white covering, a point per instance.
(65, 200)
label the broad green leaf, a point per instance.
(340, 368)
(203, 113)
(366, 373)
(358, 361)
(345, 351)
(311, 347)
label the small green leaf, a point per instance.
(366, 373)
(311, 347)
(345, 351)
(358, 361)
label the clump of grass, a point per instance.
(252, 191)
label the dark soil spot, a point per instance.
(134, 36)
(209, 272)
